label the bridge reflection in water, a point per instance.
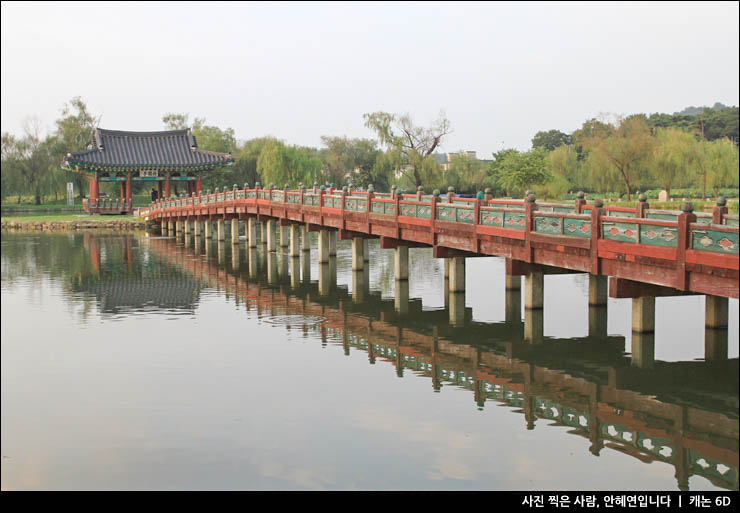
(684, 414)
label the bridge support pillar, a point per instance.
(447, 268)
(163, 227)
(235, 231)
(643, 350)
(513, 306)
(208, 229)
(187, 227)
(401, 297)
(170, 228)
(306, 268)
(305, 238)
(196, 228)
(401, 263)
(263, 233)
(295, 272)
(324, 277)
(272, 264)
(598, 290)
(715, 344)
(235, 257)
(457, 274)
(359, 286)
(716, 312)
(221, 248)
(358, 257)
(513, 282)
(534, 291)
(534, 325)
(252, 232)
(643, 314)
(457, 309)
(252, 263)
(294, 242)
(270, 229)
(188, 240)
(366, 250)
(284, 236)
(597, 321)
(221, 225)
(323, 246)
(332, 243)
(209, 249)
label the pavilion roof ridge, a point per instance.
(164, 149)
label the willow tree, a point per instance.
(415, 144)
(671, 157)
(74, 132)
(625, 149)
(715, 162)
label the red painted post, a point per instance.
(596, 213)
(199, 185)
(167, 186)
(435, 200)
(720, 210)
(342, 193)
(476, 221)
(642, 206)
(685, 218)
(580, 201)
(129, 187)
(530, 206)
(397, 209)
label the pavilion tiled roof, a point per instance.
(172, 149)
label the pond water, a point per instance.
(132, 361)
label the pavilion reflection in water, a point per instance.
(684, 414)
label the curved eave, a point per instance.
(75, 165)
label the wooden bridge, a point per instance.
(592, 391)
(643, 252)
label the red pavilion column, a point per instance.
(167, 186)
(123, 191)
(128, 187)
(198, 186)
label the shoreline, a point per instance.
(50, 226)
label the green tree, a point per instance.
(671, 155)
(550, 140)
(623, 149)
(415, 144)
(466, 174)
(29, 159)
(518, 171)
(563, 162)
(715, 162)
(74, 132)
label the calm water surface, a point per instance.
(138, 362)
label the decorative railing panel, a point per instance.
(659, 235)
(415, 210)
(622, 232)
(515, 220)
(719, 241)
(491, 217)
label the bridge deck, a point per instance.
(694, 253)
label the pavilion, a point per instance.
(126, 157)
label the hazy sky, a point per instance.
(500, 71)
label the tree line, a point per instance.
(622, 154)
